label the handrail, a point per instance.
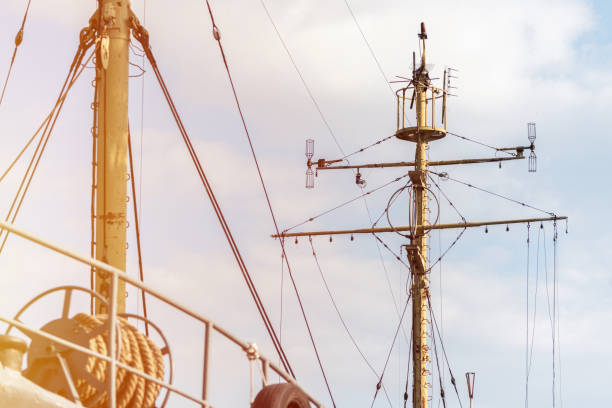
(431, 94)
(119, 274)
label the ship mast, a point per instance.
(418, 241)
(419, 94)
(112, 74)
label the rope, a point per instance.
(142, 36)
(18, 41)
(136, 350)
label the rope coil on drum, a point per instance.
(137, 350)
(89, 374)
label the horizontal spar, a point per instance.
(409, 228)
(409, 164)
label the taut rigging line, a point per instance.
(18, 40)
(76, 69)
(217, 36)
(143, 37)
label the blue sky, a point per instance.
(521, 61)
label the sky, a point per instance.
(523, 61)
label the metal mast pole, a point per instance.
(112, 72)
(420, 284)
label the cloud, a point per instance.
(518, 62)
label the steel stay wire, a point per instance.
(365, 40)
(142, 37)
(299, 72)
(437, 330)
(345, 203)
(18, 40)
(497, 149)
(399, 326)
(318, 108)
(442, 393)
(137, 225)
(552, 214)
(217, 36)
(348, 332)
(49, 126)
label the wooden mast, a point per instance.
(112, 74)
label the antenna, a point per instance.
(531, 135)
(309, 172)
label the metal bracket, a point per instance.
(417, 262)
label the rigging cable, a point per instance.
(527, 319)
(535, 299)
(299, 72)
(142, 110)
(367, 43)
(443, 254)
(382, 374)
(73, 75)
(263, 185)
(18, 41)
(497, 149)
(348, 332)
(408, 368)
(442, 395)
(556, 303)
(10, 167)
(552, 214)
(136, 221)
(437, 330)
(318, 108)
(384, 139)
(142, 36)
(346, 203)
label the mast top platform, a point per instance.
(421, 93)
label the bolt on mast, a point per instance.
(112, 75)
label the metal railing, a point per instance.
(406, 100)
(251, 352)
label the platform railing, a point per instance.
(406, 100)
(209, 326)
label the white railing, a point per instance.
(117, 274)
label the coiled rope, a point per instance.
(136, 350)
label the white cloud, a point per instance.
(518, 62)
